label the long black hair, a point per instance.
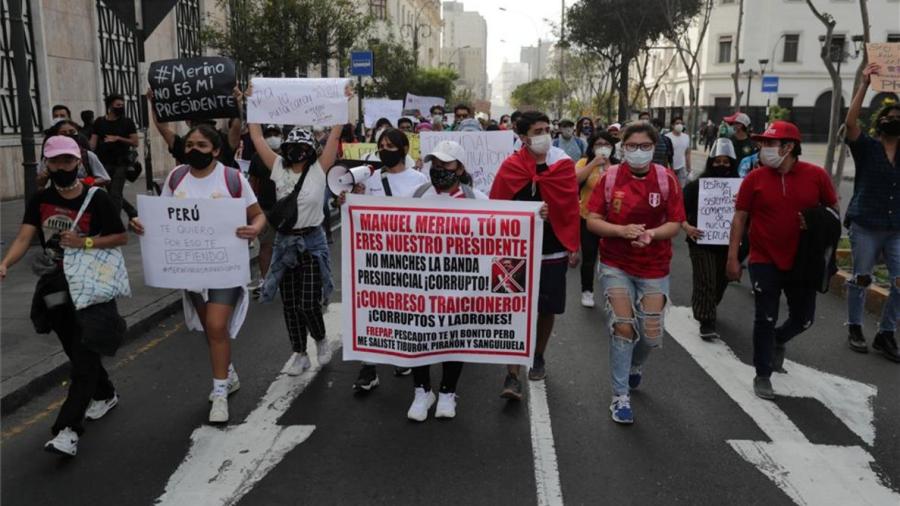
(397, 138)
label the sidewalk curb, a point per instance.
(55, 369)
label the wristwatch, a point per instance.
(88, 243)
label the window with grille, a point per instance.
(9, 106)
(791, 48)
(378, 8)
(188, 23)
(725, 49)
(118, 60)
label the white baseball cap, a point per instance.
(448, 151)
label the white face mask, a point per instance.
(540, 144)
(603, 151)
(638, 159)
(59, 119)
(437, 118)
(274, 142)
(770, 157)
(679, 128)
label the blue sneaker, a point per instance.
(634, 378)
(620, 408)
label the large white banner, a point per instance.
(192, 243)
(428, 281)
(377, 108)
(298, 101)
(422, 104)
(485, 151)
(715, 208)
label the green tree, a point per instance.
(395, 74)
(540, 94)
(434, 82)
(622, 28)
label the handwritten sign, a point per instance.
(359, 150)
(193, 88)
(421, 104)
(191, 243)
(298, 101)
(715, 208)
(485, 151)
(377, 108)
(886, 54)
(429, 283)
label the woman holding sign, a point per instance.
(708, 260)
(219, 312)
(301, 266)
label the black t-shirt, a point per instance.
(261, 180)
(51, 214)
(113, 154)
(226, 154)
(551, 242)
(743, 148)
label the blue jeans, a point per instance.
(768, 283)
(866, 245)
(646, 328)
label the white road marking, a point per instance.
(809, 474)
(546, 471)
(222, 465)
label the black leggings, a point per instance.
(452, 370)
(590, 244)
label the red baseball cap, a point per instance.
(780, 130)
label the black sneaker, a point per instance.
(402, 371)
(886, 344)
(708, 330)
(367, 380)
(538, 370)
(512, 388)
(778, 358)
(856, 339)
(762, 387)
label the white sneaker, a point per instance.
(323, 352)
(97, 409)
(298, 365)
(446, 406)
(65, 443)
(422, 402)
(234, 384)
(587, 299)
(218, 413)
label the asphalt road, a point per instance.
(363, 450)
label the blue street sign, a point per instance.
(770, 84)
(361, 63)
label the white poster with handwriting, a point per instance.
(377, 108)
(192, 243)
(715, 208)
(422, 104)
(298, 101)
(485, 151)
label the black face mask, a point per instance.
(390, 158)
(198, 159)
(720, 169)
(889, 127)
(443, 179)
(118, 111)
(297, 153)
(63, 178)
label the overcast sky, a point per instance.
(516, 26)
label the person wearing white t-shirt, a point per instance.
(219, 312)
(395, 179)
(681, 144)
(301, 267)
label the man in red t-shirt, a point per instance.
(636, 209)
(773, 198)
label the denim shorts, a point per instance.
(613, 278)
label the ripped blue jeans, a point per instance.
(633, 330)
(768, 283)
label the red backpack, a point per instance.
(232, 179)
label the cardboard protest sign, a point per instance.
(485, 151)
(421, 104)
(431, 281)
(298, 101)
(715, 208)
(193, 88)
(377, 108)
(359, 150)
(415, 146)
(886, 54)
(482, 106)
(191, 243)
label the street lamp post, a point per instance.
(412, 30)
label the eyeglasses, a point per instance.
(631, 148)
